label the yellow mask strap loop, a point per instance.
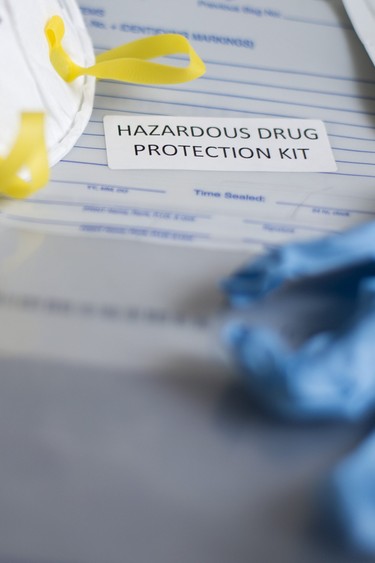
(128, 63)
(28, 153)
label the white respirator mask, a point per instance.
(47, 85)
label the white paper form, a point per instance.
(300, 59)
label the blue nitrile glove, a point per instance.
(307, 349)
(296, 260)
(348, 499)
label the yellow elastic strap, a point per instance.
(29, 153)
(128, 63)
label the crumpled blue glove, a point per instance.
(348, 499)
(302, 326)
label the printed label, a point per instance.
(224, 144)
